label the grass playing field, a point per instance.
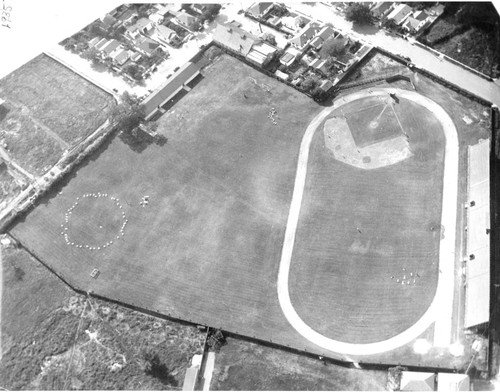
(365, 260)
(206, 247)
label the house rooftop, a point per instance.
(399, 13)
(111, 46)
(127, 14)
(259, 9)
(235, 38)
(420, 15)
(146, 44)
(305, 35)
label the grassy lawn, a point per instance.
(63, 101)
(363, 232)
(244, 366)
(27, 144)
(55, 339)
(207, 246)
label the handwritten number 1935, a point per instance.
(5, 18)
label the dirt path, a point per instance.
(440, 310)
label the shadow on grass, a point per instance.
(138, 141)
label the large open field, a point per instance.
(365, 259)
(206, 248)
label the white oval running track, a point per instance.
(441, 307)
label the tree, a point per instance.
(333, 47)
(280, 10)
(319, 95)
(358, 13)
(128, 113)
(210, 13)
(133, 71)
(310, 83)
(92, 54)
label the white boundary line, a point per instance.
(440, 310)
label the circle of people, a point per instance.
(69, 212)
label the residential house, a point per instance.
(127, 17)
(319, 65)
(325, 33)
(120, 56)
(261, 53)
(108, 22)
(142, 26)
(108, 47)
(436, 10)
(156, 18)
(287, 59)
(275, 21)
(199, 8)
(234, 38)
(93, 42)
(307, 60)
(381, 9)
(400, 13)
(293, 23)
(186, 20)
(255, 50)
(326, 85)
(163, 35)
(304, 36)
(100, 43)
(260, 10)
(281, 75)
(146, 46)
(416, 22)
(134, 56)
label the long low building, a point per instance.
(169, 89)
(477, 292)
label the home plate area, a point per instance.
(367, 133)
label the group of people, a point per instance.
(271, 115)
(65, 226)
(408, 278)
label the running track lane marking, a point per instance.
(440, 310)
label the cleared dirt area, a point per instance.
(241, 365)
(61, 100)
(366, 251)
(206, 247)
(53, 338)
